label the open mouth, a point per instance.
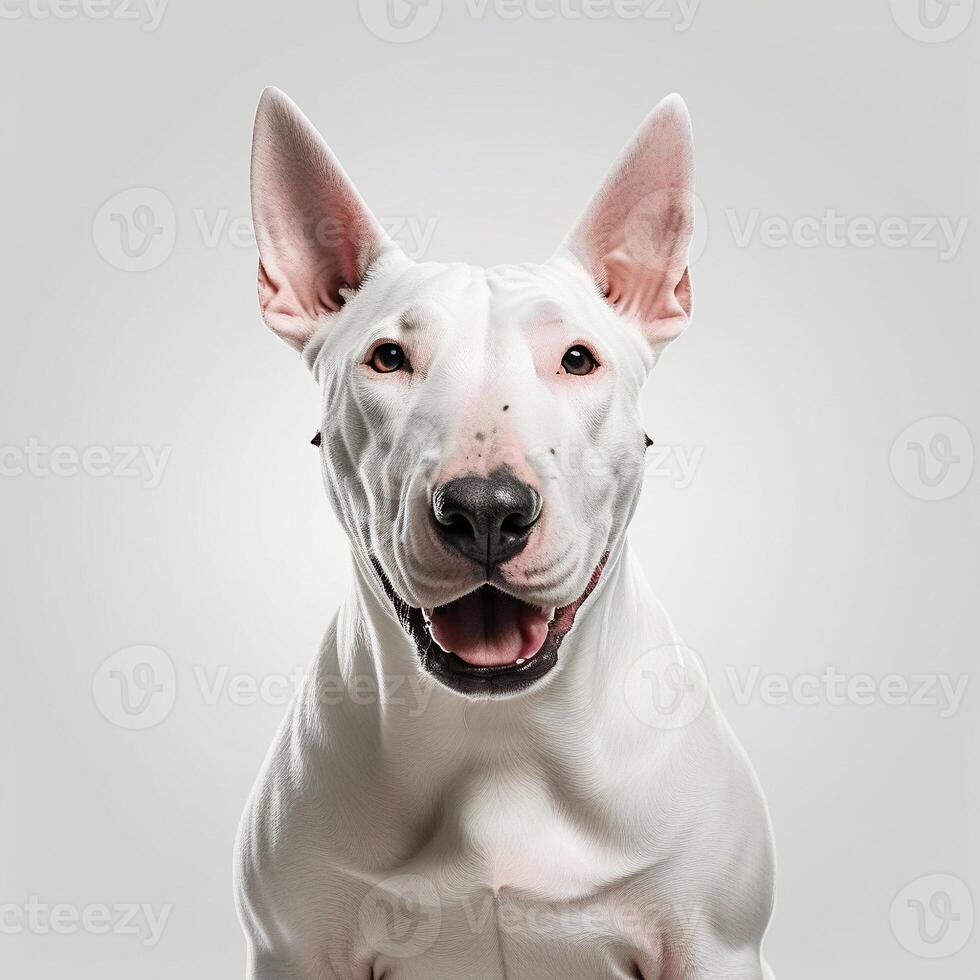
(488, 642)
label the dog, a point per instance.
(503, 763)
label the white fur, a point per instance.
(399, 829)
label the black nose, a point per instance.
(488, 519)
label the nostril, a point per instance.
(456, 525)
(451, 513)
(514, 525)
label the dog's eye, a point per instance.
(579, 360)
(387, 357)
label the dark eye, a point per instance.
(387, 357)
(579, 360)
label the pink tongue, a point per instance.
(488, 628)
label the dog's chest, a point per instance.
(511, 886)
(513, 834)
(508, 937)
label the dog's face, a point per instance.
(480, 434)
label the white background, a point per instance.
(803, 542)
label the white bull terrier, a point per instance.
(503, 763)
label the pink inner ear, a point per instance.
(316, 236)
(635, 235)
(307, 276)
(661, 305)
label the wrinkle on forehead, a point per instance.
(544, 313)
(454, 298)
(471, 296)
(524, 293)
(414, 318)
(544, 302)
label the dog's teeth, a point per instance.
(519, 661)
(551, 615)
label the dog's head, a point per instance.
(480, 434)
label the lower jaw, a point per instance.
(463, 678)
(486, 681)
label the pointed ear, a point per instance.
(634, 237)
(316, 237)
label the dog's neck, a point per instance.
(403, 714)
